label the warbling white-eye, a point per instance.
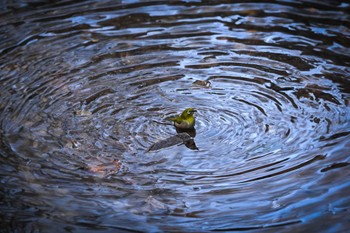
(185, 120)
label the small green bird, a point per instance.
(185, 120)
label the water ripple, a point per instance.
(87, 87)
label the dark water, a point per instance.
(86, 85)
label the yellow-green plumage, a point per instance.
(185, 120)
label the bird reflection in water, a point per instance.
(189, 143)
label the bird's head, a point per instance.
(188, 112)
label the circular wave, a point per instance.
(86, 89)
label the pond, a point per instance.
(87, 87)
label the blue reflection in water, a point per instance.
(86, 88)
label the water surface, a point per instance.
(86, 87)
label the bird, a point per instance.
(185, 120)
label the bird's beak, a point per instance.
(194, 110)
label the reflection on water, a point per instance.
(86, 87)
